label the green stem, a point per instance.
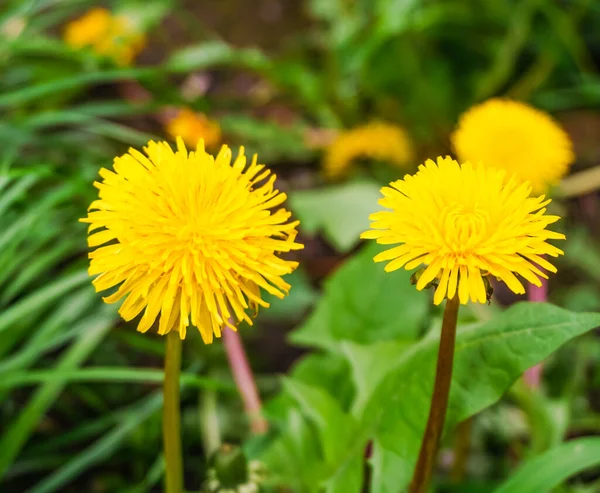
(439, 400)
(171, 415)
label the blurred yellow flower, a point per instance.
(509, 135)
(379, 141)
(463, 223)
(189, 236)
(192, 127)
(112, 36)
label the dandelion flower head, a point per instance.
(510, 135)
(191, 127)
(463, 223)
(112, 36)
(377, 140)
(190, 237)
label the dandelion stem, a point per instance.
(533, 376)
(171, 415)
(439, 400)
(242, 374)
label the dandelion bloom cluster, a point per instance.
(192, 126)
(509, 135)
(379, 141)
(190, 237)
(112, 36)
(463, 223)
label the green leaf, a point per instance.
(541, 474)
(349, 478)
(341, 212)
(302, 296)
(214, 53)
(334, 426)
(338, 434)
(294, 456)
(364, 304)
(370, 364)
(329, 372)
(489, 358)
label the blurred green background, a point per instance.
(80, 390)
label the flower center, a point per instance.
(464, 226)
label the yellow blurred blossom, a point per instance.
(464, 222)
(112, 36)
(192, 127)
(377, 140)
(510, 135)
(189, 238)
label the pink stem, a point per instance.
(242, 374)
(533, 376)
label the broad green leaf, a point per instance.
(364, 304)
(335, 427)
(294, 458)
(338, 434)
(302, 297)
(341, 212)
(349, 478)
(328, 371)
(543, 473)
(489, 358)
(370, 364)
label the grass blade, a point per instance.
(101, 449)
(18, 432)
(108, 374)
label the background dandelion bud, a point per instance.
(192, 126)
(109, 35)
(510, 135)
(377, 140)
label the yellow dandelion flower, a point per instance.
(379, 141)
(191, 127)
(112, 36)
(509, 135)
(463, 223)
(189, 236)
